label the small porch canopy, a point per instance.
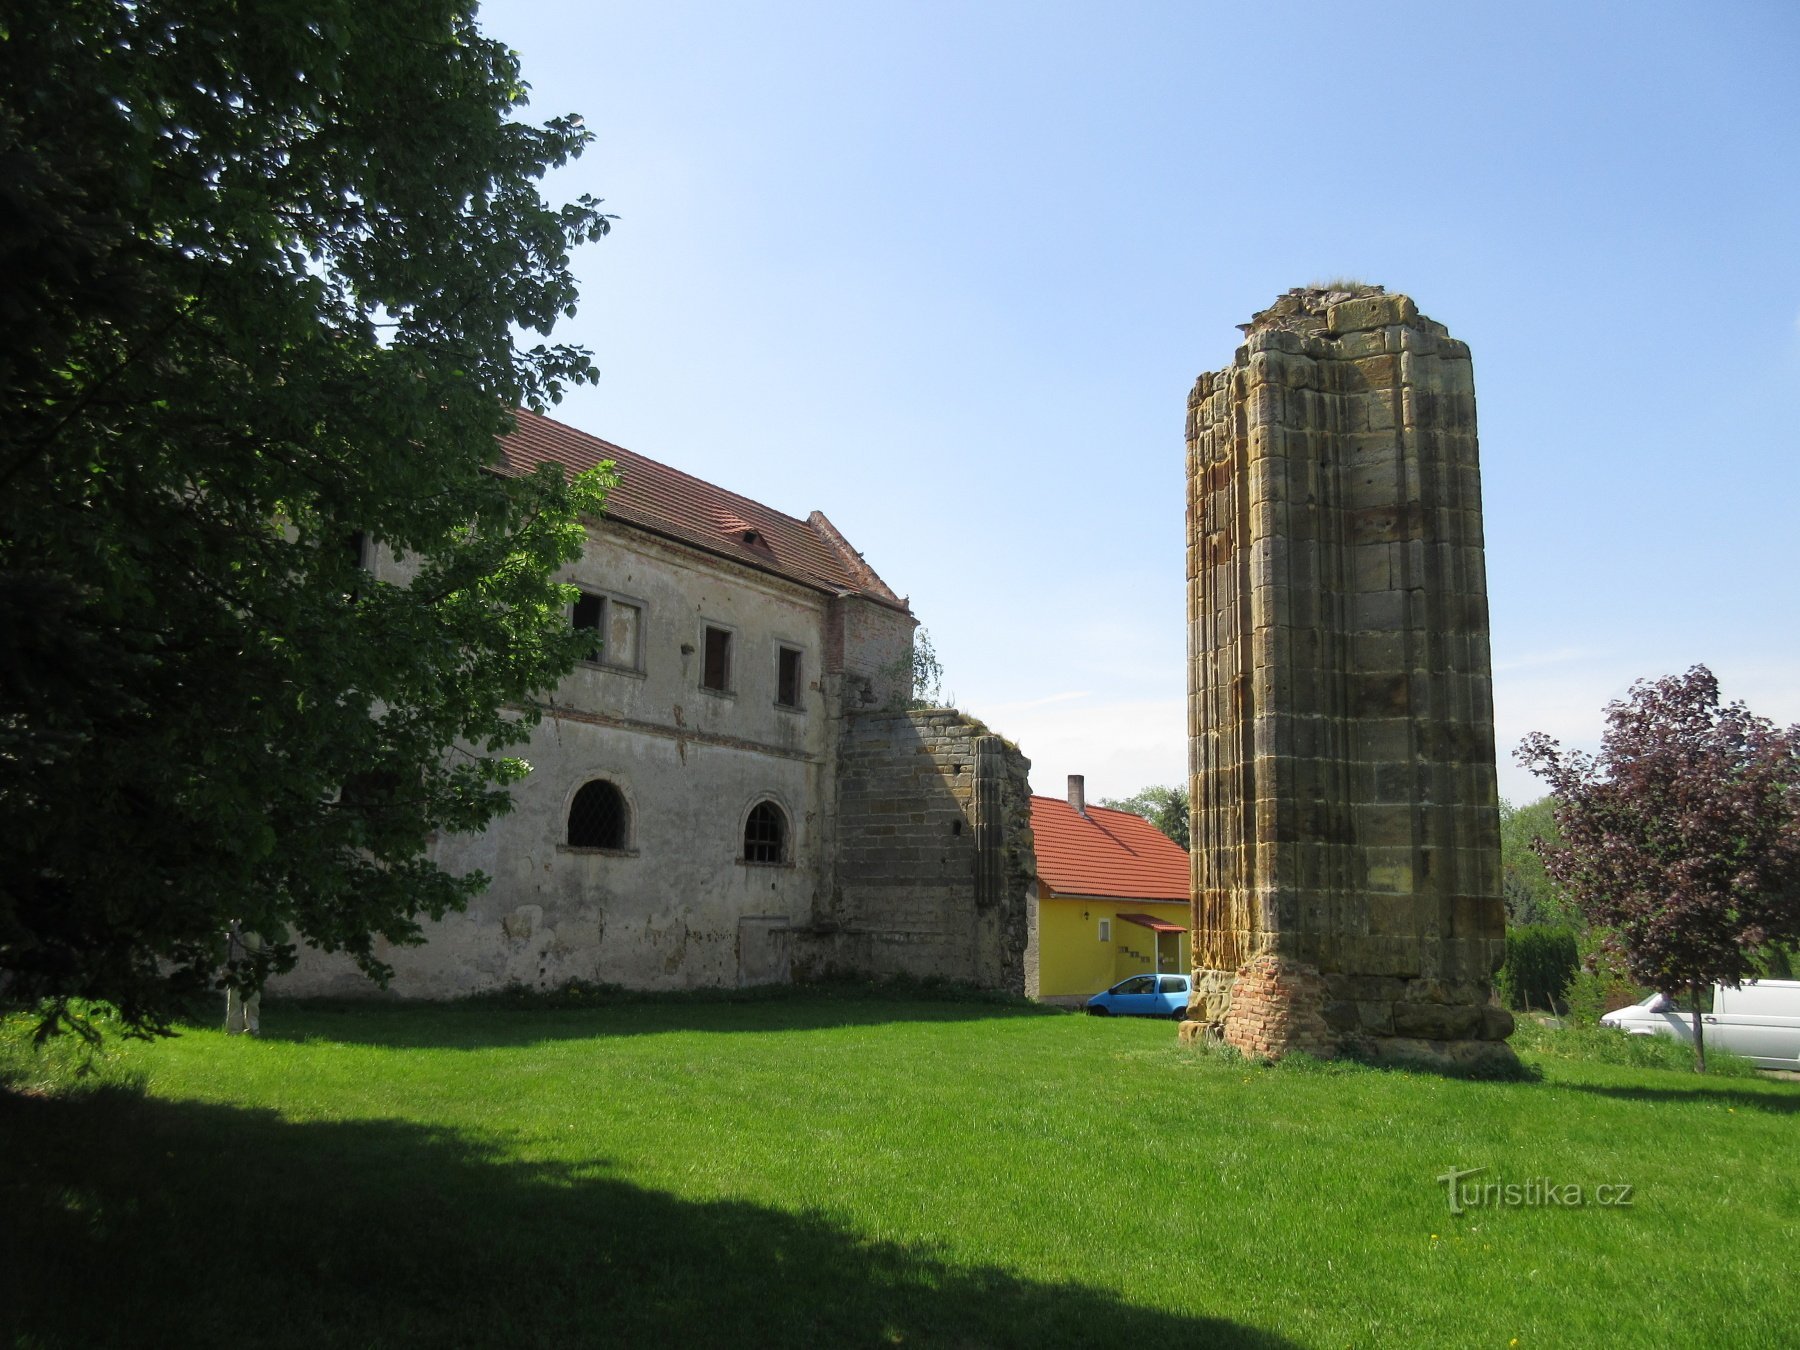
(1153, 923)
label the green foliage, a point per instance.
(1164, 807)
(1681, 838)
(261, 275)
(1531, 896)
(1602, 983)
(927, 674)
(1775, 961)
(1541, 960)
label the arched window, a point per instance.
(765, 834)
(598, 817)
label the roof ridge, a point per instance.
(853, 560)
(666, 467)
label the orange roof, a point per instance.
(1106, 853)
(665, 501)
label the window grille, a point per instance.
(765, 834)
(598, 816)
(787, 681)
(716, 672)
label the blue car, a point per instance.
(1142, 996)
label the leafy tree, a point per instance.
(920, 671)
(1164, 807)
(1682, 838)
(927, 673)
(262, 268)
(1530, 895)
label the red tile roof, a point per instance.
(1106, 853)
(675, 505)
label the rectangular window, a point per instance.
(357, 548)
(1106, 930)
(715, 673)
(787, 678)
(615, 626)
(590, 614)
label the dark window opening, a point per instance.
(356, 546)
(787, 679)
(716, 671)
(598, 816)
(372, 791)
(590, 612)
(765, 834)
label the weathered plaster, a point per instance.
(678, 907)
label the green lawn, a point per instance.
(827, 1170)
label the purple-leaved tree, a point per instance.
(1681, 839)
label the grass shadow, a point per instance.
(132, 1221)
(1773, 1100)
(1351, 1063)
(602, 1011)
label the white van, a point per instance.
(1760, 1020)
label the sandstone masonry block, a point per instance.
(1346, 891)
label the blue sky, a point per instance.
(947, 272)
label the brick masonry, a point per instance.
(1275, 1009)
(1341, 743)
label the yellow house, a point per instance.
(1112, 897)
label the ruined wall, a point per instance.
(1345, 830)
(934, 867)
(868, 651)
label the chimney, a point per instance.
(1078, 792)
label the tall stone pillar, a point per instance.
(1345, 831)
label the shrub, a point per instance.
(1541, 960)
(1592, 994)
(1608, 1045)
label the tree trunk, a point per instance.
(1699, 1034)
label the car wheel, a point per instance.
(1098, 1012)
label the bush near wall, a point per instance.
(1541, 961)
(1602, 984)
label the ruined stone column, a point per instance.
(1345, 830)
